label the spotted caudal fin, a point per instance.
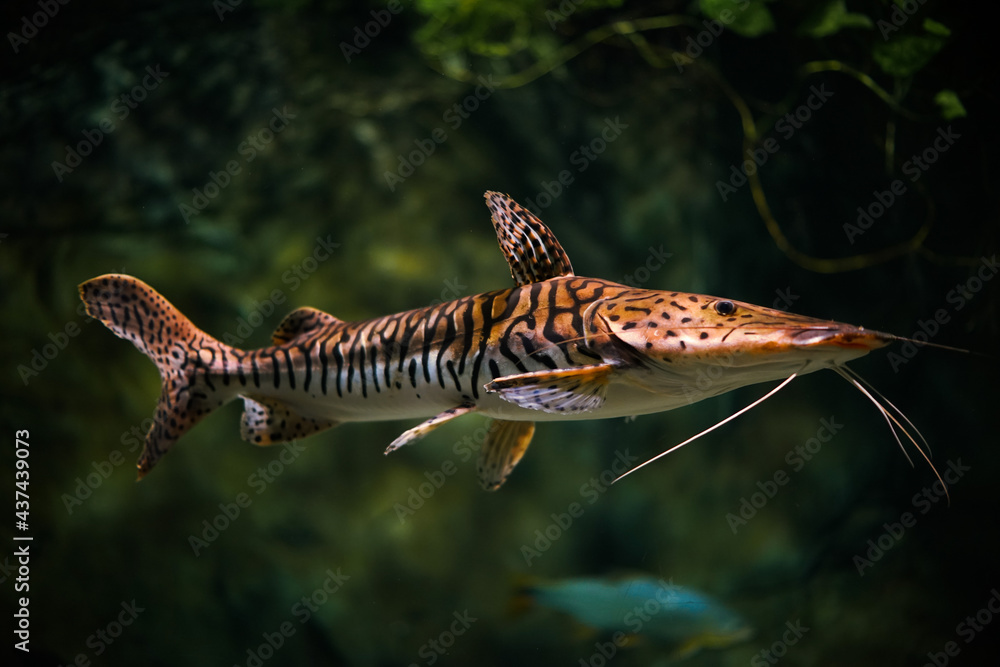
(189, 360)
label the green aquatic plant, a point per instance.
(892, 41)
(831, 18)
(749, 18)
(456, 29)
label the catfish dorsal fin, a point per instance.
(299, 322)
(529, 247)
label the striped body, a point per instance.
(556, 346)
(419, 362)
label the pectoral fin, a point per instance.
(562, 391)
(417, 432)
(505, 444)
(267, 421)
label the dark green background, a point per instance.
(430, 238)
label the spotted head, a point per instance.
(672, 337)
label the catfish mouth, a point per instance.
(840, 336)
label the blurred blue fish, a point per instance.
(641, 606)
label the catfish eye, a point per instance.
(725, 308)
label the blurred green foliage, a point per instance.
(507, 33)
(905, 55)
(832, 18)
(495, 28)
(951, 106)
(750, 18)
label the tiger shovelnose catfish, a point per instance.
(557, 346)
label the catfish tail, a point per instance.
(186, 357)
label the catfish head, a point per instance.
(672, 341)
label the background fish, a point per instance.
(682, 618)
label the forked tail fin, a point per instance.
(189, 360)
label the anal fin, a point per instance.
(267, 421)
(417, 432)
(561, 391)
(506, 442)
